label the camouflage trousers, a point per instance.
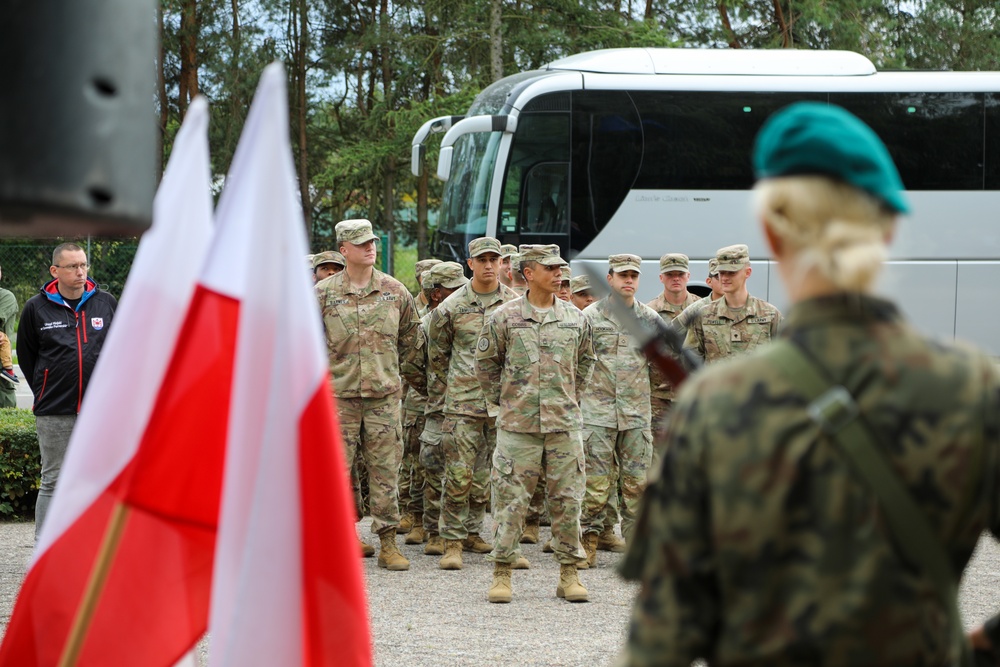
(632, 450)
(372, 426)
(411, 473)
(517, 464)
(467, 446)
(536, 508)
(432, 460)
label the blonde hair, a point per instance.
(829, 226)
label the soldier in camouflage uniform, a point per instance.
(370, 322)
(411, 474)
(564, 291)
(580, 293)
(533, 359)
(469, 424)
(674, 275)
(760, 544)
(616, 409)
(506, 252)
(517, 282)
(738, 322)
(683, 320)
(326, 264)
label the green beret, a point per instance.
(815, 138)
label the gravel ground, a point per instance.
(429, 617)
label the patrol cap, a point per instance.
(328, 257)
(420, 267)
(506, 250)
(579, 284)
(713, 267)
(515, 262)
(674, 261)
(816, 138)
(355, 231)
(566, 273)
(483, 245)
(447, 274)
(625, 262)
(732, 258)
(547, 255)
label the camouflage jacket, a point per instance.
(759, 545)
(534, 365)
(661, 387)
(367, 333)
(722, 332)
(617, 395)
(451, 350)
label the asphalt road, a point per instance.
(430, 617)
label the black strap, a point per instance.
(834, 410)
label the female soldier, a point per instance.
(761, 544)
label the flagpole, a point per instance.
(95, 586)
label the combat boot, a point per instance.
(501, 590)
(590, 547)
(476, 544)
(608, 541)
(569, 584)
(547, 547)
(416, 534)
(388, 555)
(405, 524)
(530, 534)
(452, 559)
(367, 550)
(434, 546)
(521, 563)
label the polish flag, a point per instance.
(240, 465)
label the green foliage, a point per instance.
(20, 464)
(405, 260)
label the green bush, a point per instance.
(20, 464)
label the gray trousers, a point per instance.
(53, 438)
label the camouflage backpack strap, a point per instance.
(835, 411)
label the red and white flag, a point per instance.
(239, 464)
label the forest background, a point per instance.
(364, 75)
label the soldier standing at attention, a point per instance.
(469, 425)
(564, 290)
(738, 322)
(418, 269)
(370, 322)
(765, 541)
(674, 275)
(615, 409)
(580, 293)
(506, 252)
(517, 282)
(683, 320)
(533, 358)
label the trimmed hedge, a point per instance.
(20, 464)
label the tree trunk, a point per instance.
(389, 218)
(161, 93)
(496, 41)
(300, 69)
(423, 251)
(734, 42)
(188, 86)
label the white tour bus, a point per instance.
(647, 151)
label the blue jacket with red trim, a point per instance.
(57, 346)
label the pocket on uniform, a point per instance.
(522, 354)
(503, 464)
(390, 325)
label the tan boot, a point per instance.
(521, 563)
(569, 584)
(501, 590)
(476, 544)
(367, 550)
(435, 545)
(388, 555)
(417, 535)
(547, 547)
(608, 541)
(590, 546)
(452, 559)
(530, 534)
(405, 524)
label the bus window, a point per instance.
(992, 142)
(943, 129)
(545, 202)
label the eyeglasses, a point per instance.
(73, 267)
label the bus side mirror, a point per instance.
(507, 124)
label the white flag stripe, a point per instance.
(146, 325)
(280, 363)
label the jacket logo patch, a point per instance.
(388, 297)
(466, 309)
(568, 325)
(54, 325)
(484, 344)
(96, 323)
(338, 302)
(520, 325)
(759, 320)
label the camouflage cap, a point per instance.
(423, 265)
(579, 284)
(713, 267)
(515, 262)
(566, 273)
(733, 257)
(674, 261)
(355, 232)
(547, 255)
(625, 262)
(447, 274)
(483, 245)
(328, 257)
(506, 250)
